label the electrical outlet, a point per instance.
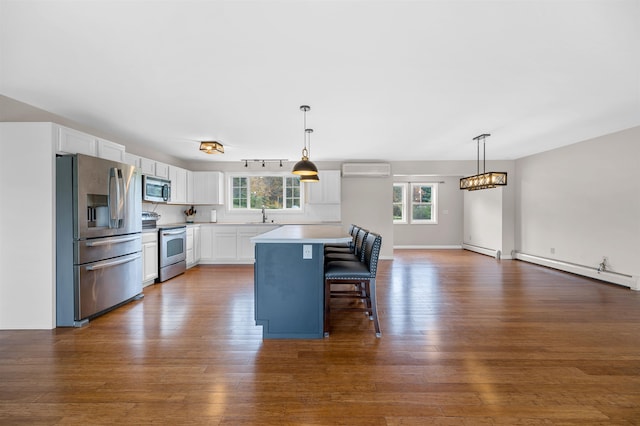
(307, 251)
(553, 250)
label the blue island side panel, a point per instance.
(289, 291)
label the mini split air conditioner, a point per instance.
(366, 169)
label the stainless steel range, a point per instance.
(172, 251)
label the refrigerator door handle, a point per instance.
(113, 197)
(116, 198)
(103, 242)
(121, 198)
(108, 264)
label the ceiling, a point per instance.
(386, 80)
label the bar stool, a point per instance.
(344, 248)
(357, 255)
(362, 274)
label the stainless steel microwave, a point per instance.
(155, 189)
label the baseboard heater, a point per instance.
(483, 250)
(586, 271)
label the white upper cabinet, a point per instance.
(132, 159)
(208, 188)
(110, 150)
(178, 177)
(189, 187)
(327, 190)
(74, 142)
(162, 170)
(147, 166)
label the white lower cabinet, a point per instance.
(149, 257)
(229, 243)
(193, 245)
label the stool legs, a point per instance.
(364, 290)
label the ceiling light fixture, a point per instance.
(483, 180)
(305, 167)
(211, 147)
(263, 161)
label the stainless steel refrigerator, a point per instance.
(98, 237)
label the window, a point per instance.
(419, 207)
(423, 196)
(270, 191)
(399, 197)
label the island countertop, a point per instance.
(308, 234)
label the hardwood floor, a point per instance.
(467, 340)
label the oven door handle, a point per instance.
(102, 265)
(164, 233)
(111, 241)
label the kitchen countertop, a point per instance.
(310, 234)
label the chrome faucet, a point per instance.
(264, 215)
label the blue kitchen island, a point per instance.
(289, 279)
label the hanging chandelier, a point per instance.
(484, 180)
(305, 167)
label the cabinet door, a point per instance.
(132, 159)
(149, 261)
(190, 247)
(162, 170)
(245, 246)
(327, 190)
(147, 166)
(206, 243)
(208, 188)
(74, 142)
(110, 150)
(224, 244)
(190, 187)
(196, 244)
(178, 179)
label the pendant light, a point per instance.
(305, 167)
(483, 180)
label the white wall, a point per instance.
(583, 201)
(366, 201)
(27, 226)
(483, 218)
(448, 231)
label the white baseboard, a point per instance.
(426, 247)
(585, 271)
(484, 250)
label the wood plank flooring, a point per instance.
(467, 340)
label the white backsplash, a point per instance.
(312, 213)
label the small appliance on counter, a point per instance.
(149, 220)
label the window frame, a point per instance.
(402, 202)
(408, 203)
(250, 175)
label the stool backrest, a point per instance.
(371, 250)
(358, 245)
